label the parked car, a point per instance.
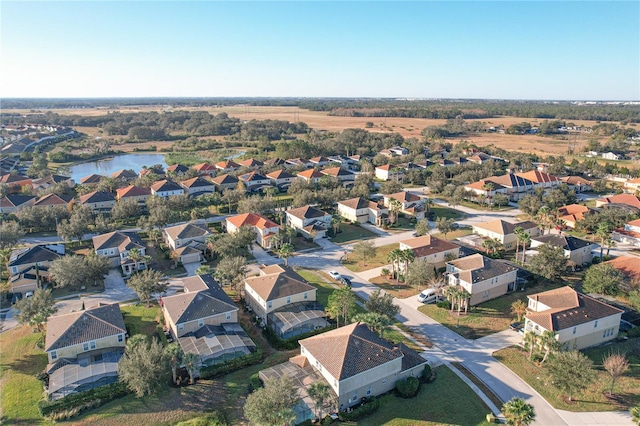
(16, 297)
(28, 294)
(515, 325)
(335, 275)
(345, 281)
(428, 296)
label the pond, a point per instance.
(109, 165)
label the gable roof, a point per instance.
(306, 212)
(83, 326)
(428, 245)
(11, 178)
(96, 197)
(203, 167)
(336, 171)
(204, 299)
(227, 164)
(177, 168)
(476, 268)
(538, 176)
(510, 180)
(251, 162)
(51, 179)
(124, 174)
(385, 167)
(92, 178)
(502, 227)
(196, 182)
(350, 350)
(15, 200)
(166, 185)
(53, 200)
(574, 180)
(276, 282)
(186, 230)
(251, 219)
(310, 174)
(480, 185)
(33, 254)
(356, 203)
(280, 174)
(252, 176)
(626, 199)
(132, 191)
(568, 308)
(122, 240)
(224, 179)
(628, 265)
(567, 242)
(404, 196)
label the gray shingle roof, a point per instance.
(32, 255)
(567, 242)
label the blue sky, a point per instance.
(428, 49)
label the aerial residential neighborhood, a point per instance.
(320, 213)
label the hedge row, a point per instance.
(367, 408)
(291, 343)
(103, 394)
(231, 365)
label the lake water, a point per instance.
(109, 165)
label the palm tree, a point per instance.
(518, 412)
(603, 232)
(394, 209)
(526, 239)
(393, 257)
(174, 355)
(488, 245)
(609, 243)
(285, 252)
(530, 340)
(544, 218)
(451, 293)
(192, 364)
(488, 188)
(211, 241)
(203, 270)
(518, 231)
(319, 393)
(549, 343)
(407, 257)
(136, 256)
(428, 203)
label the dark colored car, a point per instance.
(515, 325)
(345, 281)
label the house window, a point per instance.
(269, 305)
(355, 396)
(384, 381)
(120, 337)
(595, 324)
(85, 346)
(605, 334)
(180, 326)
(288, 299)
(369, 390)
(14, 269)
(228, 315)
(54, 355)
(574, 330)
(200, 322)
(92, 344)
(305, 296)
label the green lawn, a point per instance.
(447, 401)
(349, 232)
(20, 361)
(627, 388)
(454, 234)
(393, 287)
(324, 287)
(301, 243)
(484, 319)
(141, 320)
(380, 259)
(446, 212)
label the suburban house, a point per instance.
(297, 162)
(205, 169)
(629, 234)
(227, 166)
(486, 189)
(434, 250)
(13, 203)
(225, 182)
(157, 170)
(274, 162)
(254, 181)
(576, 250)
(198, 186)
(51, 180)
(573, 213)
(98, 201)
(383, 172)
(410, 203)
(192, 235)
(482, 277)
(265, 229)
(29, 267)
(481, 158)
(610, 155)
(134, 193)
(516, 186)
(620, 200)
(577, 183)
(353, 360)
(319, 161)
(166, 188)
(92, 179)
(505, 231)
(251, 163)
(310, 176)
(15, 182)
(84, 348)
(363, 211)
(281, 179)
(630, 268)
(395, 151)
(632, 185)
(117, 245)
(54, 200)
(124, 175)
(310, 222)
(284, 301)
(577, 320)
(346, 177)
(177, 170)
(349, 163)
(541, 179)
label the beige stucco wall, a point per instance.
(584, 335)
(487, 289)
(262, 308)
(437, 259)
(73, 351)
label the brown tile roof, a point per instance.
(132, 191)
(280, 174)
(386, 167)
(10, 178)
(319, 160)
(224, 179)
(573, 209)
(203, 167)
(306, 212)
(481, 183)
(350, 350)
(569, 309)
(251, 219)
(477, 268)
(124, 174)
(628, 265)
(83, 326)
(187, 230)
(177, 168)
(626, 199)
(92, 178)
(538, 177)
(122, 240)
(15, 200)
(278, 283)
(502, 227)
(336, 171)
(196, 182)
(404, 196)
(355, 203)
(251, 163)
(227, 165)
(428, 245)
(205, 299)
(310, 174)
(53, 200)
(574, 180)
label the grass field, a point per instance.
(351, 233)
(380, 259)
(141, 320)
(20, 361)
(454, 234)
(447, 401)
(394, 288)
(627, 390)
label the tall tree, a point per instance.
(616, 365)
(445, 225)
(319, 392)
(232, 271)
(394, 210)
(10, 234)
(145, 283)
(420, 272)
(174, 354)
(143, 367)
(191, 362)
(285, 251)
(97, 267)
(341, 304)
(374, 321)
(603, 233)
(549, 342)
(407, 256)
(518, 413)
(268, 406)
(35, 310)
(602, 279)
(382, 304)
(570, 371)
(364, 250)
(530, 341)
(549, 263)
(394, 256)
(69, 271)
(422, 227)
(519, 308)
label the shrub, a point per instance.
(255, 382)
(367, 408)
(83, 400)
(408, 388)
(444, 304)
(426, 374)
(327, 421)
(634, 332)
(213, 419)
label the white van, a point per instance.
(428, 296)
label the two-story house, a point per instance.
(251, 163)
(124, 175)
(363, 211)
(483, 278)
(281, 179)
(284, 301)
(226, 166)
(225, 182)
(310, 176)
(198, 186)
(254, 181)
(187, 241)
(621, 200)
(410, 203)
(98, 201)
(577, 183)
(434, 250)
(48, 181)
(629, 234)
(576, 250)
(92, 179)
(504, 231)
(205, 169)
(319, 161)
(177, 170)
(54, 200)
(577, 320)
(117, 245)
(29, 267)
(13, 203)
(84, 348)
(309, 221)
(166, 188)
(541, 179)
(346, 177)
(265, 229)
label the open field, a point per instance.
(354, 264)
(320, 120)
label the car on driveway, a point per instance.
(515, 325)
(345, 281)
(335, 275)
